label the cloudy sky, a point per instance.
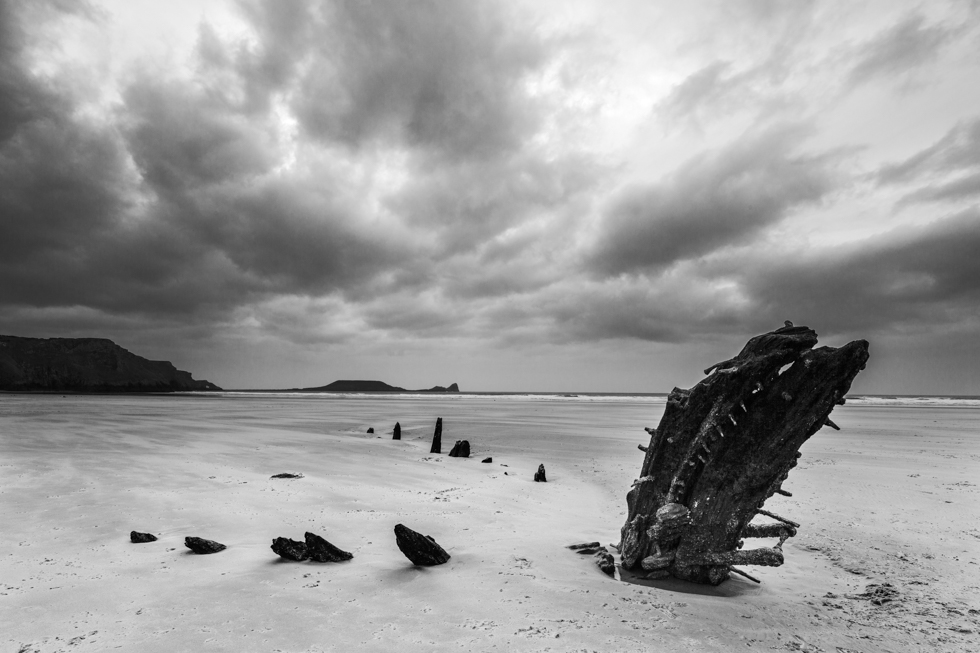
(577, 195)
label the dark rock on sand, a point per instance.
(397, 433)
(487, 460)
(286, 475)
(437, 437)
(539, 476)
(420, 549)
(461, 449)
(584, 545)
(290, 549)
(322, 551)
(605, 562)
(86, 365)
(202, 546)
(371, 430)
(140, 538)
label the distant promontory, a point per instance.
(86, 365)
(373, 386)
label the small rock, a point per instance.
(202, 546)
(539, 476)
(140, 538)
(397, 433)
(487, 460)
(322, 551)
(605, 562)
(420, 549)
(290, 549)
(286, 475)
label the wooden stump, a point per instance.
(539, 476)
(397, 433)
(437, 438)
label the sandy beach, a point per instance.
(892, 498)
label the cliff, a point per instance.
(373, 386)
(86, 365)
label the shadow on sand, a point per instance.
(734, 587)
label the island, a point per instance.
(86, 365)
(373, 386)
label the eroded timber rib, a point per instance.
(725, 446)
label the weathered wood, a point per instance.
(605, 562)
(788, 522)
(141, 538)
(420, 549)
(460, 450)
(768, 530)
(290, 549)
(203, 546)
(742, 573)
(584, 545)
(437, 438)
(724, 447)
(322, 551)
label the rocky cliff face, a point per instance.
(86, 365)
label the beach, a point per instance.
(890, 499)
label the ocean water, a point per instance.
(926, 401)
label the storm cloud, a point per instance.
(378, 185)
(714, 200)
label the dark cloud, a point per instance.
(957, 151)
(964, 188)
(904, 281)
(921, 276)
(443, 77)
(182, 139)
(905, 46)
(946, 171)
(709, 88)
(193, 197)
(717, 91)
(712, 201)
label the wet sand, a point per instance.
(890, 499)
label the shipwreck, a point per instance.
(726, 446)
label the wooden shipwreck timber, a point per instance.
(723, 448)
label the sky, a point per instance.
(584, 195)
